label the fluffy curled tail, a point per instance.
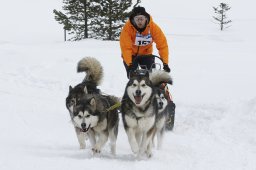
(159, 76)
(92, 68)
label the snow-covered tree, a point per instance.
(94, 18)
(221, 15)
(76, 17)
(111, 18)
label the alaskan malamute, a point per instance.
(93, 77)
(91, 114)
(139, 109)
(160, 117)
(159, 78)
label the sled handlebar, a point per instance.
(155, 56)
(154, 64)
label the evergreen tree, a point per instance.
(76, 18)
(221, 12)
(63, 19)
(111, 18)
(94, 18)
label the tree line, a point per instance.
(97, 19)
(104, 20)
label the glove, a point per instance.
(167, 68)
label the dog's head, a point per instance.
(74, 96)
(85, 116)
(139, 88)
(161, 99)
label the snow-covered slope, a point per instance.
(214, 80)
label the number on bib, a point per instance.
(143, 40)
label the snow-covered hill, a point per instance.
(214, 81)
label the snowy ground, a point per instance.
(214, 81)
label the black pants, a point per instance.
(145, 62)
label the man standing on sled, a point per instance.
(136, 40)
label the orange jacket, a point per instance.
(128, 47)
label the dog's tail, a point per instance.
(158, 77)
(92, 68)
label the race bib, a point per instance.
(143, 40)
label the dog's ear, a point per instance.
(93, 103)
(147, 74)
(170, 81)
(75, 110)
(132, 74)
(70, 88)
(85, 90)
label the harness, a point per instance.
(167, 94)
(118, 104)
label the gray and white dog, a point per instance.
(160, 117)
(91, 114)
(139, 109)
(158, 77)
(93, 78)
(76, 102)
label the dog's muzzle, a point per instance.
(160, 105)
(84, 129)
(138, 97)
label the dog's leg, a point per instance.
(113, 137)
(153, 138)
(81, 138)
(143, 145)
(160, 134)
(103, 137)
(138, 136)
(146, 143)
(149, 149)
(150, 136)
(92, 137)
(132, 140)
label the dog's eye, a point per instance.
(87, 116)
(143, 85)
(73, 101)
(79, 116)
(163, 97)
(134, 85)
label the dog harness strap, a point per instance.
(167, 92)
(118, 104)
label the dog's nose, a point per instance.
(138, 92)
(161, 104)
(83, 125)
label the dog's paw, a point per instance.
(113, 149)
(82, 146)
(149, 154)
(95, 150)
(135, 149)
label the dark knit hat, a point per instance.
(139, 11)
